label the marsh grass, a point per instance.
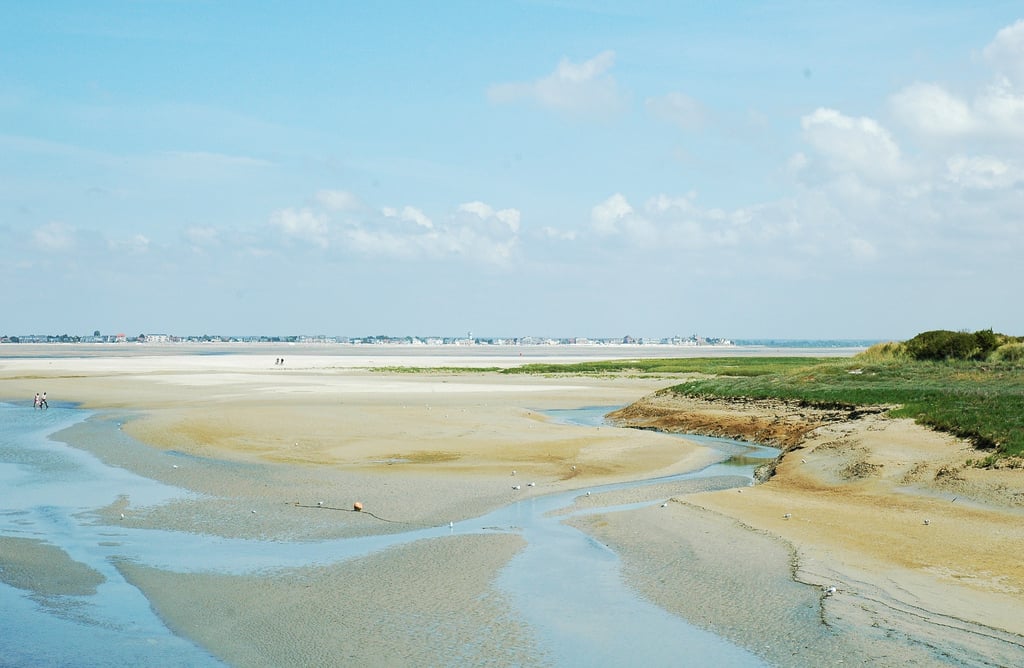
(979, 401)
(452, 370)
(726, 366)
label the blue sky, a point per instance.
(562, 168)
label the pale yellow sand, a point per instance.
(916, 543)
(426, 448)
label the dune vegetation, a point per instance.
(967, 384)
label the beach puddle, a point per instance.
(566, 586)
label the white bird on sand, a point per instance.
(787, 516)
(174, 466)
(122, 515)
(320, 504)
(665, 505)
(513, 471)
(588, 493)
(517, 487)
(927, 522)
(531, 484)
(253, 511)
(451, 525)
(829, 591)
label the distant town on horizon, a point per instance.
(468, 340)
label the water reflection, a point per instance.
(566, 585)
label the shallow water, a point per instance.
(565, 585)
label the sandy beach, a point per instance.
(846, 508)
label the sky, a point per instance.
(805, 170)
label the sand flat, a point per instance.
(428, 447)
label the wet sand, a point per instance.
(924, 552)
(426, 448)
(427, 603)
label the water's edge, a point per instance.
(561, 573)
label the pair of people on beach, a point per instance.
(41, 400)
(279, 361)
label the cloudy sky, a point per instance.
(549, 168)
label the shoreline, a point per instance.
(883, 509)
(434, 447)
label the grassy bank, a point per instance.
(979, 401)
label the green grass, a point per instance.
(731, 366)
(435, 369)
(979, 401)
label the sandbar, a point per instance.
(846, 507)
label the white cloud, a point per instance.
(677, 108)
(337, 200)
(606, 216)
(553, 234)
(982, 172)
(663, 203)
(667, 223)
(413, 215)
(1006, 53)
(574, 88)
(201, 237)
(135, 244)
(508, 217)
(303, 224)
(1000, 110)
(996, 109)
(479, 208)
(857, 144)
(929, 109)
(54, 237)
(797, 162)
(932, 110)
(474, 231)
(863, 249)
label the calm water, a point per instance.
(565, 585)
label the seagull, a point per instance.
(174, 466)
(665, 505)
(588, 493)
(451, 525)
(253, 511)
(803, 461)
(927, 522)
(517, 487)
(513, 471)
(320, 504)
(531, 484)
(829, 591)
(122, 515)
(787, 516)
